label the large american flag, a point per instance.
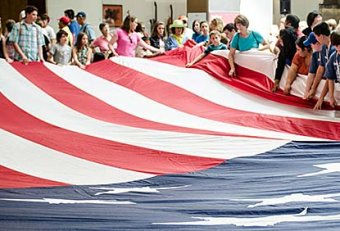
(144, 144)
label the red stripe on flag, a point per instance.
(13, 179)
(183, 100)
(87, 104)
(98, 150)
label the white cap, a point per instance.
(22, 14)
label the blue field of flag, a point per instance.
(293, 187)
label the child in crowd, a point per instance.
(142, 52)
(196, 28)
(322, 35)
(314, 64)
(60, 52)
(215, 44)
(82, 52)
(332, 73)
(300, 63)
(204, 36)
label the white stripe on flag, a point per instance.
(197, 82)
(46, 163)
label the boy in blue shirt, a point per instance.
(215, 44)
(332, 72)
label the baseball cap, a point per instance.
(81, 14)
(64, 20)
(310, 40)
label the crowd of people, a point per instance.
(313, 50)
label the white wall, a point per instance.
(142, 9)
(298, 7)
(259, 13)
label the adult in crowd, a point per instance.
(102, 42)
(196, 29)
(188, 32)
(73, 26)
(7, 46)
(61, 52)
(28, 38)
(85, 27)
(287, 49)
(313, 18)
(127, 39)
(177, 37)
(244, 40)
(63, 25)
(300, 63)
(158, 36)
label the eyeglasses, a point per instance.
(130, 39)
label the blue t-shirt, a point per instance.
(212, 47)
(253, 40)
(314, 63)
(202, 38)
(325, 54)
(333, 67)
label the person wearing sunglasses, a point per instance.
(127, 39)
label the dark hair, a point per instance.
(299, 43)
(293, 20)
(154, 30)
(45, 17)
(193, 24)
(102, 25)
(288, 37)
(139, 27)
(9, 25)
(69, 13)
(30, 9)
(311, 17)
(173, 30)
(145, 38)
(79, 38)
(335, 38)
(322, 29)
(60, 34)
(229, 27)
(126, 23)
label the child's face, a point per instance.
(205, 28)
(197, 26)
(316, 47)
(105, 30)
(337, 48)
(63, 39)
(84, 40)
(215, 39)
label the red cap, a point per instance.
(64, 20)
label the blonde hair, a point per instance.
(215, 32)
(216, 24)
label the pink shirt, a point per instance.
(126, 45)
(102, 43)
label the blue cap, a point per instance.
(310, 40)
(81, 14)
